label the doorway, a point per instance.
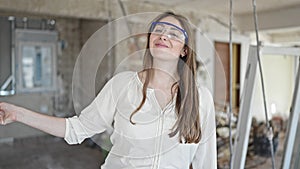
(222, 69)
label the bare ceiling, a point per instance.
(272, 14)
(221, 6)
(278, 18)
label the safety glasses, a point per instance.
(170, 30)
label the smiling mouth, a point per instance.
(160, 45)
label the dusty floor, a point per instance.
(47, 152)
(258, 162)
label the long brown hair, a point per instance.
(187, 100)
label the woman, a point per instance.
(160, 118)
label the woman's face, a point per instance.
(166, 40)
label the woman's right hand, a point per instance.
(52, 125)
(8, 113)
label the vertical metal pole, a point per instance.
(230, 84)
(245, 116)
(111, 60)
(13, 55)
(297, 158)
(269, 127)
(293, 123)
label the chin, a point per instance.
(165, 57)
(162, 53)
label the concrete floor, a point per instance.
(258, 162)
(47, 152)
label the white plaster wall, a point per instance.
(278, 73)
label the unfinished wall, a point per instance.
(44, 102)
(72, 34)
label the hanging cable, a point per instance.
(269, 128)
(111, 60)
(124, 14)
(230, 83)
(127, 24)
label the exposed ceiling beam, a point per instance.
(97, 9)
(268, 20)
(65, 8)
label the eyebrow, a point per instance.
(167, 23)
(172, 28)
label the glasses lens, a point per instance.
(170, 31)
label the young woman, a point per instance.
(160, 118)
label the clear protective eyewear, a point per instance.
(170, 30)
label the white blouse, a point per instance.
(145, 145)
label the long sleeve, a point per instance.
(206, 153)
(95, 118)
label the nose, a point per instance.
(164, 36)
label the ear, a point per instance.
(183, 52)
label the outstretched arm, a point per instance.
(53, 125)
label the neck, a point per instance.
(164, 74)
(169, 67)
